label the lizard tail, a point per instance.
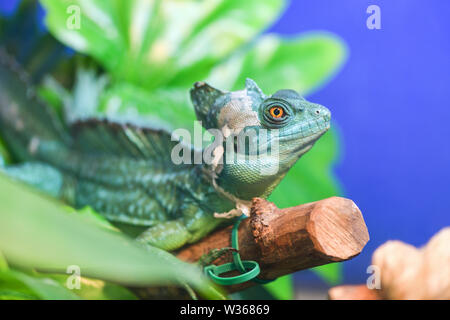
(24, 119)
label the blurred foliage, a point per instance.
(147, 59)
(38, 234)
(4, 155)
(160, 43)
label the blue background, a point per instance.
(390, 103)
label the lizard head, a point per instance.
(291, 126)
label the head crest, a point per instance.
(203, 97)
(208, 101)
(253, 89)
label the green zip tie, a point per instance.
(249, 269)
(214, 272)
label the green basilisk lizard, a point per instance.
(127, 173)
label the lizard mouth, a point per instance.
(308, 142)
(308, 132)
(301, 140)
(306, 136)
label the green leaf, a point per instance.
(169, 107)
(302, 63)
(85, 97)
(52, 98)
(331, 273)
(225, 28)
(16, 284)
(282, 288)
(98, 33)
(5, 158)
(3, 263)
(36, 233)
(152, 43)
(162, 108)
(12, 288)
(92, 216)
(94, 289)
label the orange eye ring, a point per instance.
(276, 112)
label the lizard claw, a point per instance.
(241, 209)
(213, 255)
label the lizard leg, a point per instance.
(167, 235)
(42, 176)
(191, 227)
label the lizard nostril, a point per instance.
(317, 111)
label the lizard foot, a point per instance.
(241, 209)
(213, 255)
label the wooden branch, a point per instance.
(284, 241)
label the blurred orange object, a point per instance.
(407, 273)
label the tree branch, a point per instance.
(284, 241)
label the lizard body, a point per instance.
(126, 172)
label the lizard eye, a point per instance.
(276, 112)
